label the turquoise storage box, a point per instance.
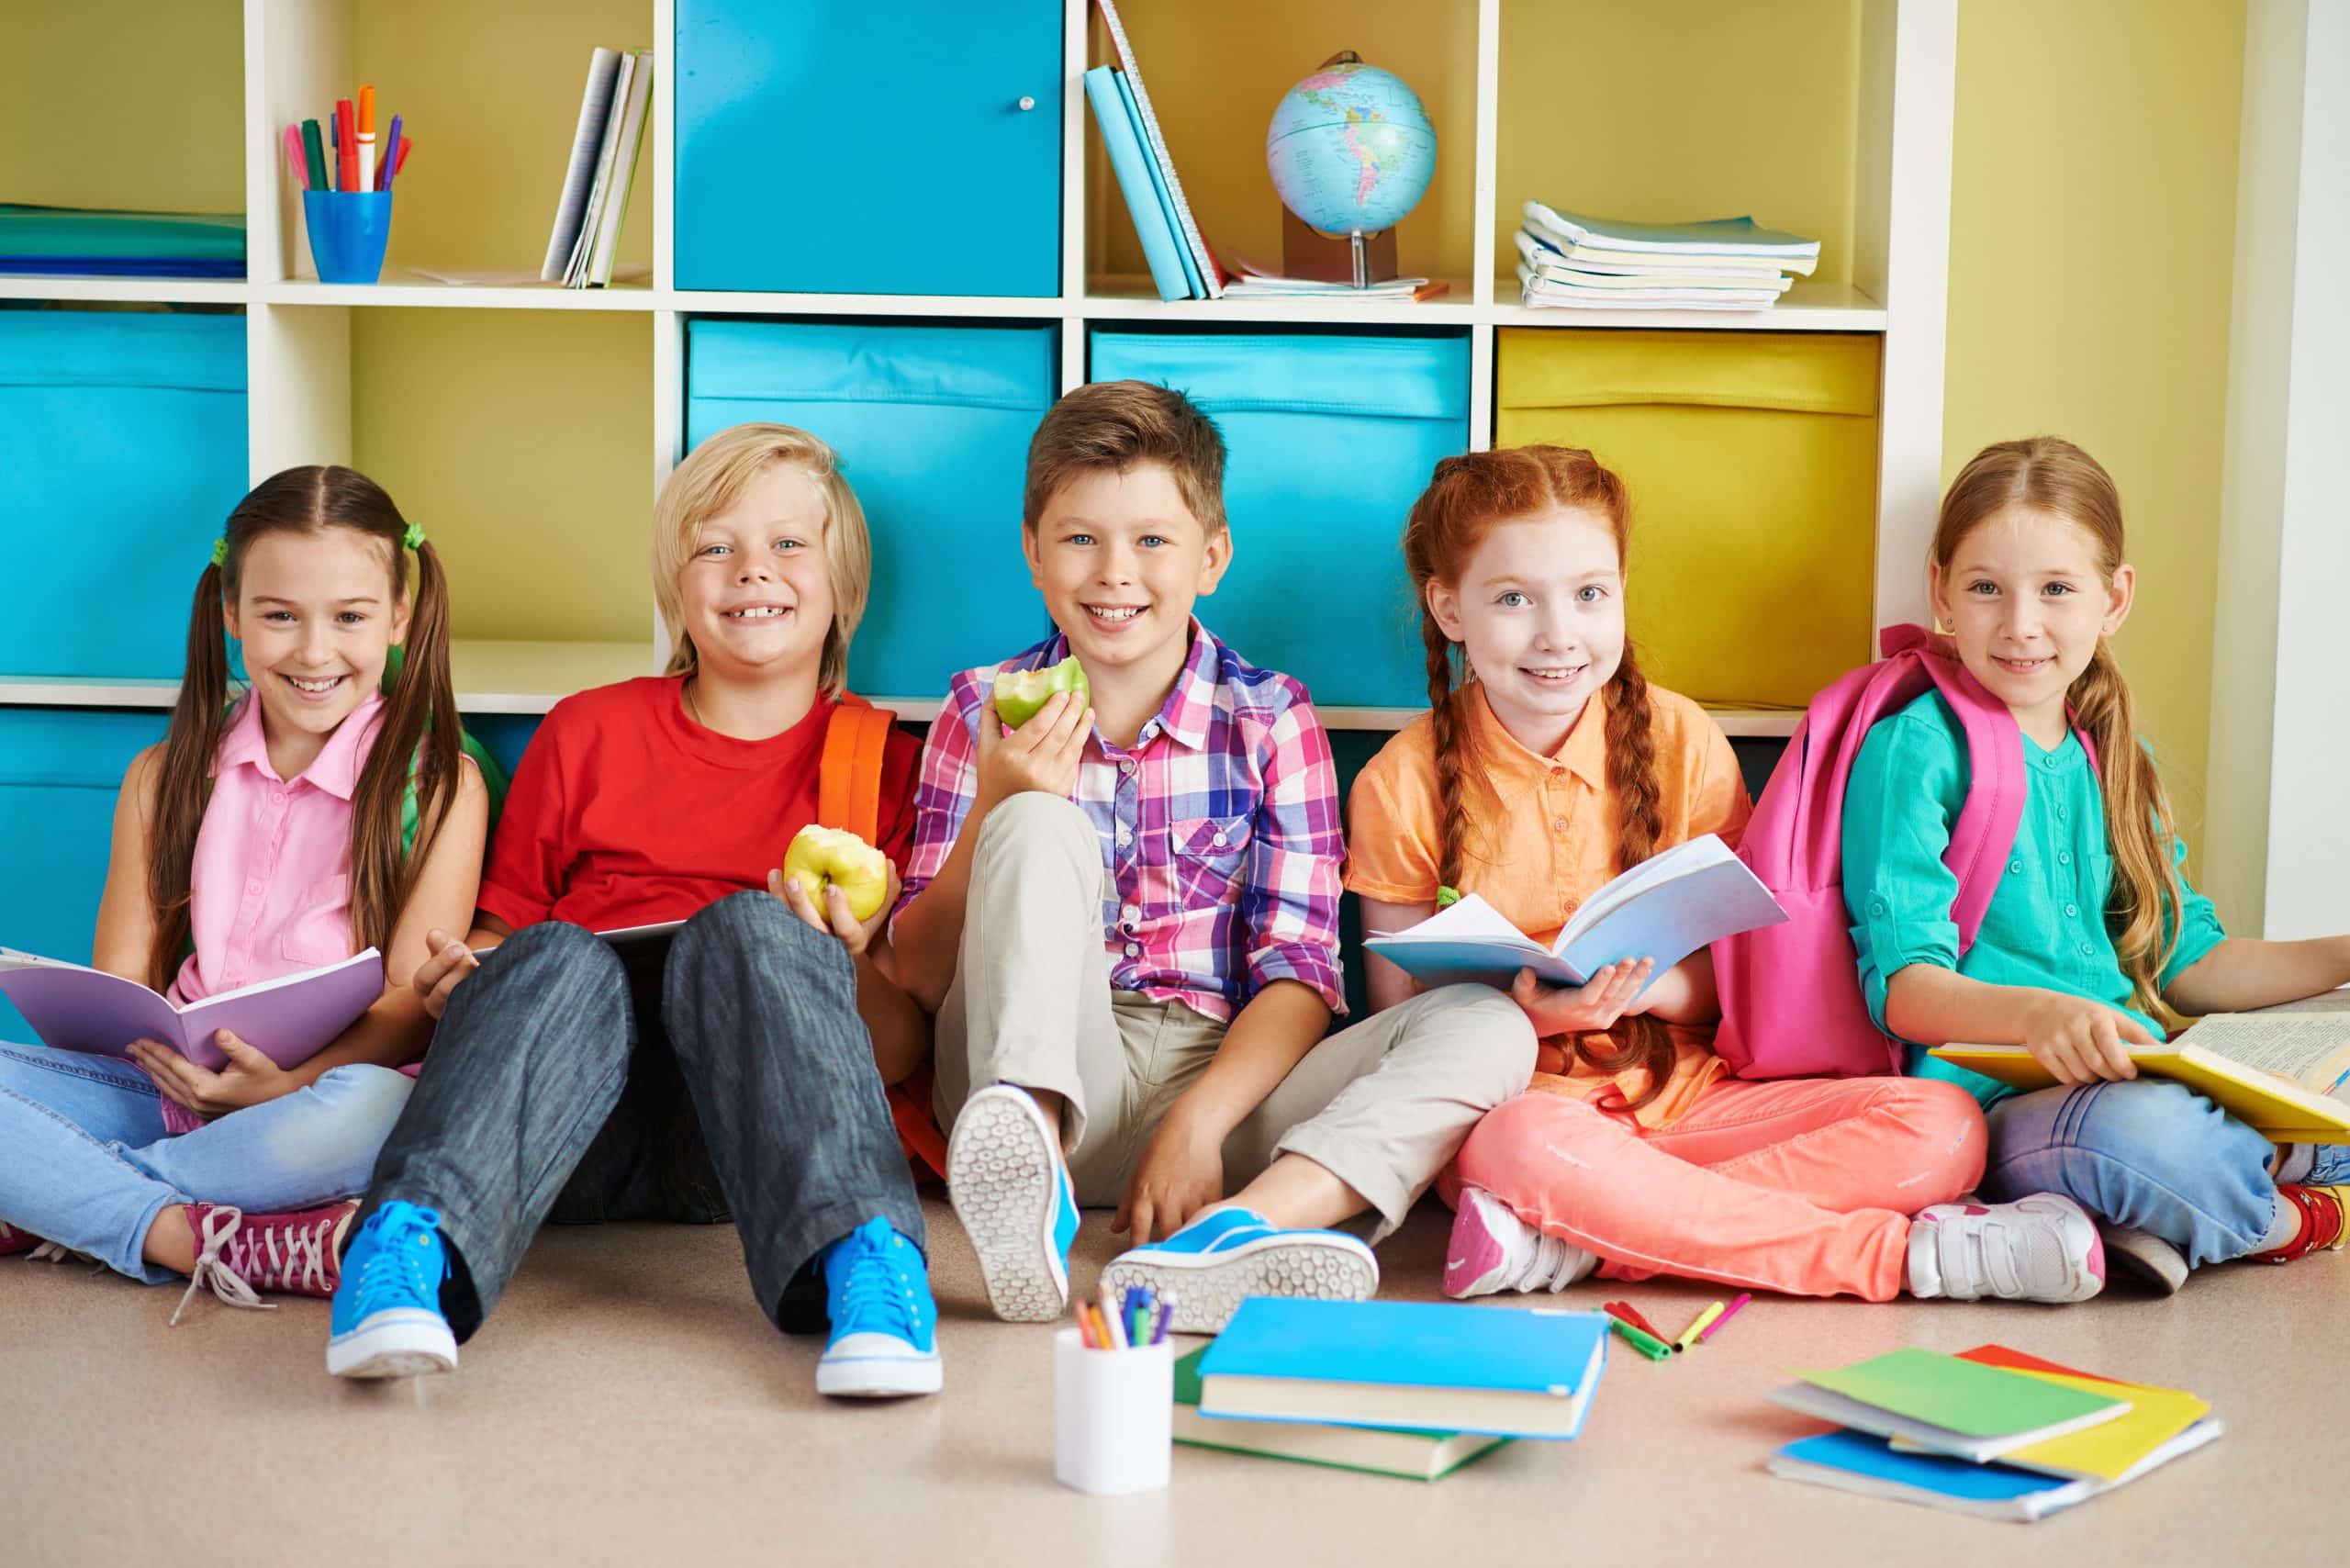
(60, 769)
(932, 424)
(122, 449)
(1330, 437)
(912, 148)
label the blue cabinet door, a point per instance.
(845, 148)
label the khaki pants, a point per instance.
(1383, 1105)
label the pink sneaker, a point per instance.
(239, 1255)
(1492, 1249)
(13, 1242)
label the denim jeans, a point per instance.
(84, 1160)
(739, 1080)
(2148, 1153)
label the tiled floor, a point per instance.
(630, 1405)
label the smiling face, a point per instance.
(2026, 599)
(1540, 610)
(1120, 560)
(318, 614)
(756, 593)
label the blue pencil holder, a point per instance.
(348, 232)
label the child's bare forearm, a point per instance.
(927, 938)
(1934, 1006)
(2241, 974)
(1270, 1037)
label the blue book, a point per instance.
(1502, 1370)
(1158, 183)
(1858, 1461)
(1133, 170)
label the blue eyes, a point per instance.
(2054, 591)
(1590, 593)
(1086, 541)
(1513, 600)
(285, 617)
(783, 546)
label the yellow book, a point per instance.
(2280, 1072)
(2112, 1452)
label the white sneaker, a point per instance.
(2044, 1248)
(1005, 1179)
(1492, 1249)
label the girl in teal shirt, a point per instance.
(2094, 940)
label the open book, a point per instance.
(2281, 1071)
(1666, 908)
(290, 1019)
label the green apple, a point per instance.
(823, 856)
(1021, 694)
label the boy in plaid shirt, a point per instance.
(1126, 916)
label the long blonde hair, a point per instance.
(2049, 473)
(1467, 496)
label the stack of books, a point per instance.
(98, 242)
(594, 201)
(1571, 261)
(1990, 1431)
(1414, 1389)
(1181, 265)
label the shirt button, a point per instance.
(1219, 838)
(1129, 913)
(2015, 868)
(255, 889)
(2072, 911)
(1876, 906)
(1134, 949)
(2059, 814)
(2087, 951)
(1126, 764)
(277, 796)
(2063, 857)
(1126, 836)
(1559, 825)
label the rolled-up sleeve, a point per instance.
(944, 787)
(2198, 928)
(1906, 790)
(1290, 895)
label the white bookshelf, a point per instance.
(299, 334)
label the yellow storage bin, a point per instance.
(1751, 460)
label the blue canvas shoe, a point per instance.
(1225, 1256)
(387, 1319)
(885, 1325)
(1005, 1179)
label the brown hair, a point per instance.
(1117, 424)
(1465, 498)
(2049, 473)
(420, 712)
(708, 484)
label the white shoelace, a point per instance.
(220, 1227)
(1556, 1264)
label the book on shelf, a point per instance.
(1666, 908)
(1131, 164)
(605, 147)
(1385, 1450)
(72, 1007)
(2282, 1072)
(1759, 286)
(1718, 239)
(1203, 261)
(1570, 261)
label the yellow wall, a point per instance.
(2092, 231)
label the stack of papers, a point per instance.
(1990, 1431)
(94, 243)
(594, 201)
(1257, 282)
(1573, 261)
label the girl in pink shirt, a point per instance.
(269, 833)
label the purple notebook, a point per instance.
(288, 1020)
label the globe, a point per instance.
(1351, 148)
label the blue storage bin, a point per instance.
(844, 148)
(1330, 437)
(60, 769)
(122, 449)
(932, 424)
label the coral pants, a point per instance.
(1803, 1186)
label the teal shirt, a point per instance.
(2045, 926)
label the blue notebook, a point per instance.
(1857, 1461)
(1133, 169)
(1502, 1370)
(1159, 185)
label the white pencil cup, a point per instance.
(1113, 1416)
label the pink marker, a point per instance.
(1727, 1312)
(294, 159)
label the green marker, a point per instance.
(1648, 1345)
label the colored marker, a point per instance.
(366, 140)
(400, 162)
(1697, 1325)
(294, 159)
(1711, 1328)
(314, 150)
(1624, 1310)
(391, 151)
(346, 147)
(1648, 1345)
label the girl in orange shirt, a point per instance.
(1543, 769)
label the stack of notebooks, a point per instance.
(1414, 1389)
(1990, 1431)
(588, 214)
(91, 242)
(1181, 265)
(1571, 261)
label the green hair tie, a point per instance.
(414, 538)
(220, 551)
(1447, 897)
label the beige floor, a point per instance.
(629, 1405)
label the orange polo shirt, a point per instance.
(1538, 838)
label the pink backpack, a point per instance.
(1791, 996)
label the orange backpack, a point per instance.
(848, 796)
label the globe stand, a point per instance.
(1361, 260)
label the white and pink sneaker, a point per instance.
(1492, 1249)
(239, 1255)
(2044, 1248)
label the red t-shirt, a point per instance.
(626, 812)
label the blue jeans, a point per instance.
(2148, 1153)
(84, 1160)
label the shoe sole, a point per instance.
(1002, 1178)
(406, 1343)
(2149, 1260)
(1472, 1258)
(873, 1377)
(1206, 1289)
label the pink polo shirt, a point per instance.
(270, 888)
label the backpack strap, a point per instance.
(1985, 832)
(848, 795)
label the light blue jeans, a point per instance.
(84, 1160)
(2148, 1153)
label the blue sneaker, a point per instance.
(1205, 1270)
(1005, 1179)
(885, 1325)
(387, 1319)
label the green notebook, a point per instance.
(1946, 1404)
(30, 232)
(1418, 1455)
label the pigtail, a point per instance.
(183, 782)
(418, 738)
(2143, 913)
(1452, 739)
(1638, 1040)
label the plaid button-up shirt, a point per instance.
(1221, 844)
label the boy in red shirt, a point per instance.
(736, 1068)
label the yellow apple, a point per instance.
(820, 857)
